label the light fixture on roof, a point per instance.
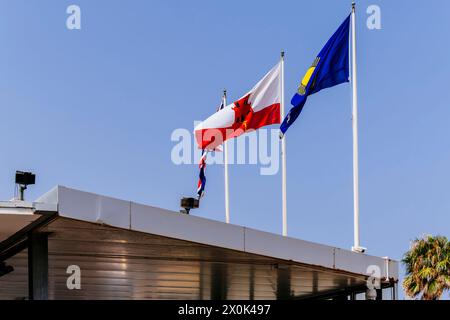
(24, 179)
(188, 204)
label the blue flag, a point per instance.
(330, 68)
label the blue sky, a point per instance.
(94, 109)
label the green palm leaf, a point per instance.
(427, 265)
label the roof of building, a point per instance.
(186, 253)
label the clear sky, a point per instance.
(95, 108)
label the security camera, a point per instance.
(359, 249)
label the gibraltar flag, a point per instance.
(259, 107)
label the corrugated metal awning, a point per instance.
(123, 264)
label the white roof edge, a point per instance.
(50, 196)
(86, 206)
(26, 207)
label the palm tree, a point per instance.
(427, 268)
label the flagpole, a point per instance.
(225, 150)
(283, 154)
(356, 247)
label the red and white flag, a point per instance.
(259, 107)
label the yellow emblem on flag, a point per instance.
(307, 77)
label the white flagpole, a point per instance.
(356, 247)
(225, 150)
(283, 153)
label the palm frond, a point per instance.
(427, 265)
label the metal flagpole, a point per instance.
(356, 247)
(225, 150)
(283, 153)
